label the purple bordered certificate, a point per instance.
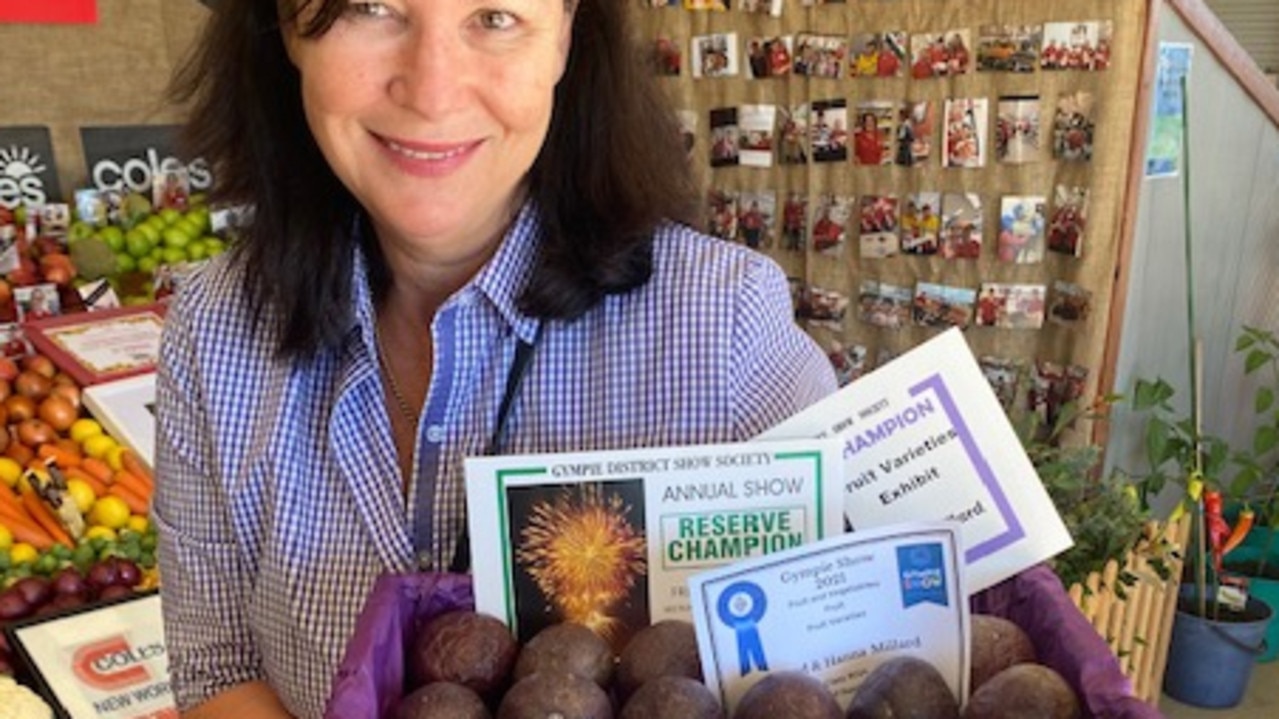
(925, 438)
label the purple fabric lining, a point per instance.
(1064, 640)
(370, 679)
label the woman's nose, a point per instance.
(432, 72)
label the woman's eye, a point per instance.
(368, 9)
(496, 20)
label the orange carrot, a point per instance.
(137, 503)
(44, 517)
(14, 511)
(131, 463)
(136, 484)
(27, 531)
(98, 486)
(8, 497)
(62, 458)
(97, 468)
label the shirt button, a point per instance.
(435, 434)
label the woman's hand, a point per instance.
(252, 700)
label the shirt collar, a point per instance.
(501, 280)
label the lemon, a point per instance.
(23, 553)
(138, 523)
(99, 445)
(113, 457)
(110, 512)
(82, 494)
(100, 532)
(10, 470)
(6, 538)
(84, 428)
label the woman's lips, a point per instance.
(428, 159)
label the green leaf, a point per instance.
(1244, 342)
(1243, 482)
(1150, 394)
(1264, 439)
(1157, 432)
(1256, 358)
(1263, 400)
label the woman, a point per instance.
(868, 145)
(454, 205)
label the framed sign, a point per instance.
(126, 408)
(106, 661)
(101, 346)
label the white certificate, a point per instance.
(608, 539)
(835, 610)
(925, 438)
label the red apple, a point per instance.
(8, 368)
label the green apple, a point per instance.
(177, 237)
(216, 245)
(197, 250)
(151, 232)
(197, 218)
(137, 243)
(191, 226)
(80, 230)
(148, 265)
(169, 215)
(125, 263)
(113, 236)
(173, 256)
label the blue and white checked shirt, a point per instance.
(278, 496)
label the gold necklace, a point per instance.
(406, 410)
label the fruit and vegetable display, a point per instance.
(135, 247)
(73, 501)
(466, 665)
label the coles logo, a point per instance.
(137, 173)
(112, 664)
(28, 172)
(129, 158)
(20, 181)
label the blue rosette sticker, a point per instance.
(741, 606)
(922, 573)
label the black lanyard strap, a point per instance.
(514, 378)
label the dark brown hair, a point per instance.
(611, 169)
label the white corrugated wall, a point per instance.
(1255, 24)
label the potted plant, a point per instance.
(1256, 481)
(1214, 642)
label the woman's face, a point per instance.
(432, 111)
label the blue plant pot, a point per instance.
(1210, 662)
(1263, 588)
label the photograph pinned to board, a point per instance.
(756, 139)
(916, 125)
(1021, 229)
(1017, 129)
(1074, 127)
(961, 233)
(964, 142)
(1069, 220)
(757, 210)
(1164, 150)
(1008, 48)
